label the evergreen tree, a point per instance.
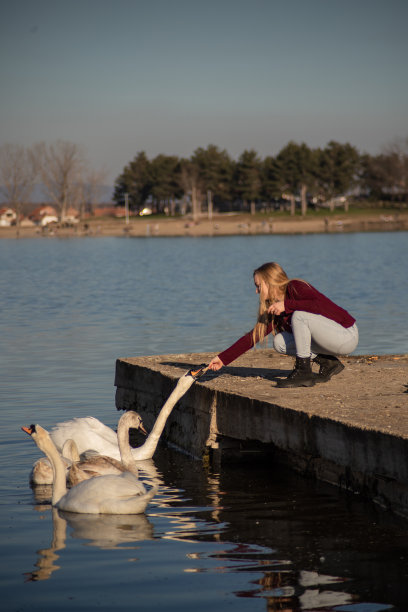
(338, 168)
(164, 178)
(295, 170)
(135, 180)
(248, 178)
(270, 183)
(215, 172)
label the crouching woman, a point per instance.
(304, 322)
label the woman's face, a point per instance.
(261, 287)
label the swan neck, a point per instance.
(124, 446)
(147, 449)
(59, 483)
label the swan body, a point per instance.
(42, 472)
(89, 432)
(110, 494)
(93, 464)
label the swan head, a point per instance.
(132, 420)
(39, 435)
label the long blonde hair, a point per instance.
(276, 280)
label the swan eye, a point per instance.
(32, 427)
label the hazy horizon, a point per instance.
(119, 77)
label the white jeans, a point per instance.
(313, 334)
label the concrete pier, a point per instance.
(351, 431)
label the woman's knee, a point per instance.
(279, 344)
(349, 345)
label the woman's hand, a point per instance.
(277, 308)
(215, 364)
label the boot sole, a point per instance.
(308, 383)
(336, 370)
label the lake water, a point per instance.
(251, 537)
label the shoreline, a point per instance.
(219, 225)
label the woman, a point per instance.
(304, 323)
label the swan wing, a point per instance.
(103, 465)
(95, 465)
(87, 432)
(135, 504)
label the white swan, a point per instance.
(89, 432)
(42, 472)
(123, 494)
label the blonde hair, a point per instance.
(276, 280)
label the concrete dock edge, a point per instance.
(351, 432)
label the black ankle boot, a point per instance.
(329, 366)
(301, 375)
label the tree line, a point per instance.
(210, 177)
(62, 169)
(297, 173)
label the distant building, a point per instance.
(71, 217)
(107, 211)
(43, 215)
(8, 216)
(26, 222)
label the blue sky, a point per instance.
(168, 76)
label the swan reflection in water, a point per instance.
(264, 573)
(106, 531)
(47, 557)
(112, 531)
(109, 531)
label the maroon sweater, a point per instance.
(299, 296)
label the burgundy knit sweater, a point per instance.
(299, 296)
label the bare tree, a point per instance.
(93, 188)
(61, 168)
(17, 176)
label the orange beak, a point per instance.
(27, 430)
(142, 429)
(197, 373)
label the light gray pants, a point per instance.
(313, 334)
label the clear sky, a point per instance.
(168, 76)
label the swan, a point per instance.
(89, 432)
(91, 463)
(110, 494)
(42, 472)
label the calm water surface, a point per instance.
(252, 537)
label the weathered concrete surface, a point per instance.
(351, 431)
